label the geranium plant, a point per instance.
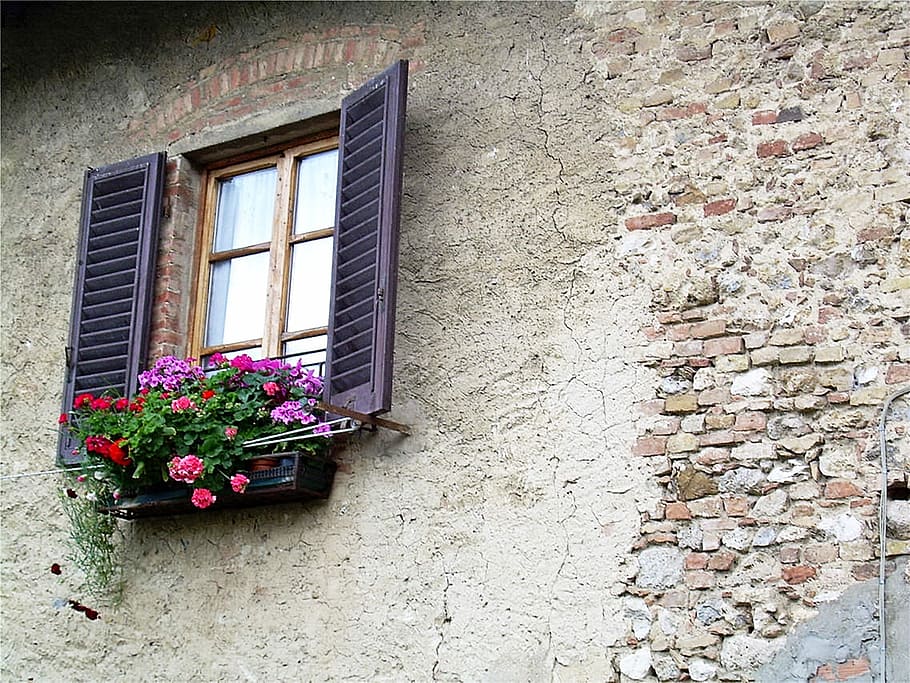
(188, 426)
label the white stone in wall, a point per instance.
(637, 611)
(771, 505)
(752, 383)
(637, 664)
(701, 669)
(659, 568)
(742, 652)
(844, 527)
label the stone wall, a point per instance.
(653, 294)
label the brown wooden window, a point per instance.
(265, 270)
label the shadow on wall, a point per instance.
(841, 643)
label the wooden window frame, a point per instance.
(285, 160)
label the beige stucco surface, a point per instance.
(500, 540)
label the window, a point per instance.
(266, 265)
(118, 237)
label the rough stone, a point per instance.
(772, 505)
(899, 519)
(747, 653)
(636, 610)
(636, 664)
(681, 403)
(801, 444)
(664, 666)
(837, 461)
(701, 669)
(764, 537)
(752, 383)
(692, 484)
(796, 354)
(682, 443)
(741, 480)
(787, 474)
(844, 526)
(659, 567)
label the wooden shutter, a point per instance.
(365, 272)
(121, 208)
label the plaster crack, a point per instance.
(443, 626)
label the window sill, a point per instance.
(300, 477)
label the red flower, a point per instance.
(97, 444)
(101, 403)
(164, 394)
(82, 399)
(136, 406)
(55, 569)
(208, 393)
(62, 419)
(121, 404)
(117, 455)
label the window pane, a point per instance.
(311, 279)
(310, 352)
(317, 176)
(246, 208)
(237, 299)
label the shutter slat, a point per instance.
(121, 209)
(364, 277)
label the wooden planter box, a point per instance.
(298, 477)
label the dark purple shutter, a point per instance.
(121, 208)
(365, 273)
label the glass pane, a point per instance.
(310, 352)
(246, 209)
(317, 176)
(311, 279)
(237, 299)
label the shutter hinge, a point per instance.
(68, 353)
(380, 294)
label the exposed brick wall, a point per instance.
(780, 318)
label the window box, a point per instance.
(298, 477)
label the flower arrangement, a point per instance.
(188, 426)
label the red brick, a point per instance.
(749, 420)
(874, 234)
(677, 511)
(776, 148)
(688, 348)
(650, 445)
(716, 139)
(897, 373)
(719, 207)
(720, 438)
(711, 397)
(798, 574)
(841, 489)
(696, 560)
(709, 328)
(721, 561)
(838, 397)
(767, 214)
(815, 335)
(723, 346)
(665, 427)
(764, 117)
(736, 506)
(679, 332)
(826, 313)
(652, 407)
(807, 141)
(650, 220)
(699, 578)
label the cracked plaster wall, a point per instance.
(496, 542)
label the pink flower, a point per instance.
(323, 428)
(230, 432)
(182, 403)
(271, 388)
(187, 469)
(202, 498)
(116, 495)
(81, 478)
(239, 483)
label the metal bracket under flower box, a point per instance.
(298, 477)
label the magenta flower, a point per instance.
(291, 411)
(187, 469)
(239, 483)
(202, 498)
(181, 404)
(322, 428)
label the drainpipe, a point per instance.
(882, 526)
